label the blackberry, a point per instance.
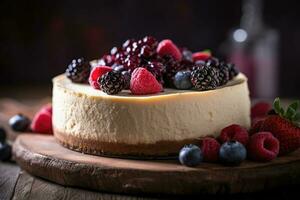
(223, 73)
(150, 41)
(157, 69)
(233, 71)
(78, 71)
(112, 82)
(213, 61)
(205, 77)
(171, 68)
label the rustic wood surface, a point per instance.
(43, 156)
(18, 184)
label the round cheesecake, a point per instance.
(90, 121)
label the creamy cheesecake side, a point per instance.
(91, 121)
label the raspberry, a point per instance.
(202, 55)
(167, 47)
(42, 122)
(143, 82)
(210, 148)
(263, 146)
(96, 73)
(234, 132)
(260, 109)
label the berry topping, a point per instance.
(234, 132)
(150, 41)
(2, 135)
(187, 55)
(182, 80)
(210, 148)
(223, 73)
(143, 82)
(202, 55)
(205, 78)
(112, 82)
(127, 77)
(260, 109)
(263, 146)
(190, 155)
(42, 122)
(232, 153)
(19, 123)
(78, 71)
(167, 47)
(96, 73)
(5, 151)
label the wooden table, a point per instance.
(18, 184)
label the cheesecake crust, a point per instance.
(156, 150)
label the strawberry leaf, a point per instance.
(295, 105)
(296, 117)
(290, 112)
(277, 107)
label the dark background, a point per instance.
(39, 38)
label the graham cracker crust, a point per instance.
(158, 150)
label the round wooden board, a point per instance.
(43, 156)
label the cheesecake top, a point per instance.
(85, 89)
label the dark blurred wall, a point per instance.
(39, 38)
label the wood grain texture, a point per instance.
(44, 157)
(9, 174)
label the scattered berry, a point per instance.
(78, 71)
(202, 55)
(205, 78)
(284, 126)
(143, 82)
(2, 135)
(112, 82)
(182, 80)
(260, 109)
(5, 151)
(210, 148)
(190, 155)
(167, 47)
(96, 73)
(256, 125)
(232, 153)
(42, 122)
(234, 132)
(263, 146)
(19, 123)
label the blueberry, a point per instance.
(190, 155)
(5, 151)
(232, 153)
(182, 80)
(2, 134)
(19, 123)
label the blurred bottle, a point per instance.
(253, 47)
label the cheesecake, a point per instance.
(152, 125)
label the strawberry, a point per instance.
(167, 47)
(96, 73)
(201, 55)
(284, 126)
(143, 82)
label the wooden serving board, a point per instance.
(43, 156)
